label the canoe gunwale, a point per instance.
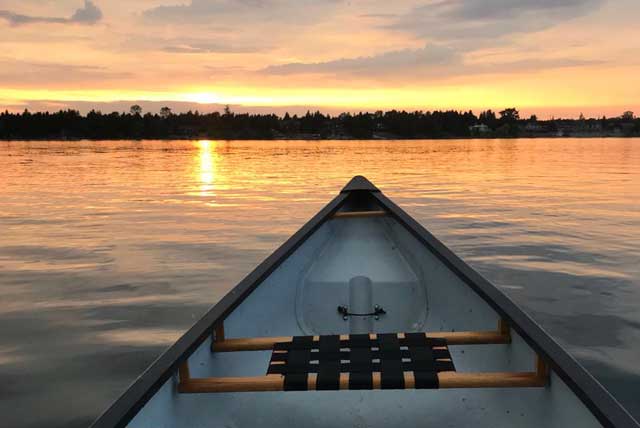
(595, 397)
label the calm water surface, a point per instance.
(110, 250)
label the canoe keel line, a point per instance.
(278, 332)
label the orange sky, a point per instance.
(558, 57)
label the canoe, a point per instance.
(364, 319)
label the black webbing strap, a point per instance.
(361, 370)
(361, 356)
(391, 373)
(424, 368)
(329, 370)
(297, 361)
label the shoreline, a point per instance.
(308, 138)
(390, 125)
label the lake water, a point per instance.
(110, 250)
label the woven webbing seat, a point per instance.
(362, 356)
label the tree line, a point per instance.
(70, 124)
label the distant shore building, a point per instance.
(534, 127)
(480, 128)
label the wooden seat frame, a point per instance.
(450, 379)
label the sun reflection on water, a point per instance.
(206, 169)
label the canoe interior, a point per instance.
(417, 291)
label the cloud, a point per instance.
(245, 11)
(88, 14)
(18, 19)
(530, 64)
(432, 61)
(24, 73)
(210, 47)
(238, 26)
(487, 19)
(378, 15)
(219, 42)
(507, 9)
(385, 63)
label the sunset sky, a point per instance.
(552, 57)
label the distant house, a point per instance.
(534, 127)
(480, 128)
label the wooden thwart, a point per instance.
(356, 214)
(453, 338)
(445, 379)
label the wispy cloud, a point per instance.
(216, 41)
(245, 12)
(378, 15)
(19, 19)
(196, 47)
(507, 9)
(87, 14)
(383, 64)
(26, 72)
(432, 61)
(486, 19)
